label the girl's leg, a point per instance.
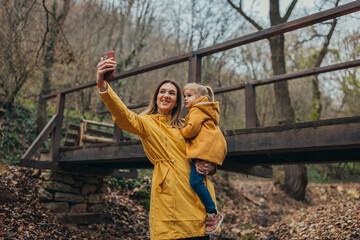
(196, 182)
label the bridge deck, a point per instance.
(331, 140)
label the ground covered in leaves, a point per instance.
(254, 209)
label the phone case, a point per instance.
(109, 75)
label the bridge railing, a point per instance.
(54, 126)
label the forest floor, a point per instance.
(254, 209)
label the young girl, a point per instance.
(205, 144)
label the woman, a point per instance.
(175, 210)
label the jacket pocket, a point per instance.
(162, 173)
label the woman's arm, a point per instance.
(122, 116)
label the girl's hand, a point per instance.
(205, 168)
(102, 68)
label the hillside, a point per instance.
(254, 209)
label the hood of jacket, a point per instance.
(211, 109)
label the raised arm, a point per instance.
(122, 116)
(193, 125)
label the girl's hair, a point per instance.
(201, 90)
(175, 113)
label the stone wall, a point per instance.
(72, 193)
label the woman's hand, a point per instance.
(102, 68)
(205, 168)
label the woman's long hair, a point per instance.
(175, 113)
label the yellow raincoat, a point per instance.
(175, 209)
(206, 140)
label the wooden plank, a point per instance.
(74, 127)
(69, 143)
(327, 137)
(98, 123)
(340, 138)
(99, 132)
(40, 138)
(306, 73)
(290, 76)
(282, 28)
(68, 168)
(92, 139)
(103, 154)
(71, 135)
(236, 166)
(56, 136)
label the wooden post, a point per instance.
(195, 69)
(56, 134)
(250, 106)
(117, 136)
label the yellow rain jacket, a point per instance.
(175, 209)
(206, 140)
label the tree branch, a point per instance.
(324, 49)
(240, 10)
(289, 11)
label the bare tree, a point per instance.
(295, 175)
(17, 53)
(54, 21)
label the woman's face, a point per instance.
(166, 98)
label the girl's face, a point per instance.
(189, 98)
(166, 98)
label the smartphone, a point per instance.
(109, 75)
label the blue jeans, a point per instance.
(196, 182)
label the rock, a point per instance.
(96, 198)
(56, 186)
(36, 173)
(57, 207)
(88, 188)
(59, 177)
(68, 197)
(44, 195)
(78, 208)
(92, 180)
(97, 208)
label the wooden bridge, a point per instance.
(249, 149)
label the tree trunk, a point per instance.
(295, 175)
(295, 181)
(54, 22)
(284, 109)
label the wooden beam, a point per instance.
(256, 146)
(56, 136)
(236, 166)
(194, 69)
(290, 76)
(40, 138)
(282, 28)
(109, 125)
(250, 106)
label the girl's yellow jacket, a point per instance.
(206, 140)
(175, 209)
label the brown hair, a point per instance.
(175, 113)
(201, 90)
